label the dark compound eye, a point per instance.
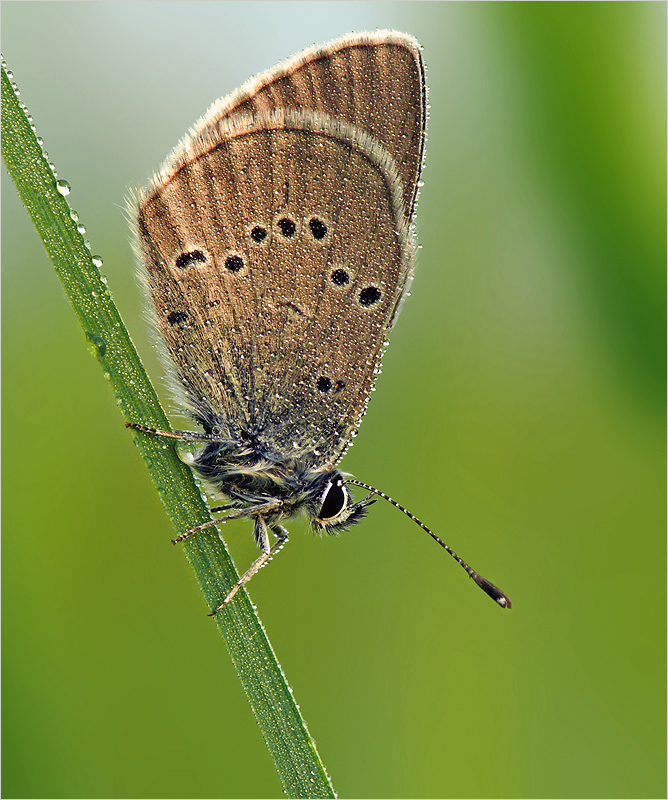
(258, 234)
(340, 277)
(234, 263)
(177, 316)
(186, 259)
(287, 227)
(333, 502)
(318, 228)
(369, 296)
(324, 384)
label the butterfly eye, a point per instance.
(334, 500)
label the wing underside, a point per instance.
(276, 259)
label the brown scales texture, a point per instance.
(281, 322)
(337, 132)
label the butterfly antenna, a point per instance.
(489, 588)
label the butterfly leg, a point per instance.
(262, 538)
(204, 525)
(185, 436)
(236, 514)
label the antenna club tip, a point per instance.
(493, 591)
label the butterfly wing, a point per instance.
(277, 259)
(375, 81)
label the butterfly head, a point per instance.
(332, 509)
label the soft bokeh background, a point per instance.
(520, 413)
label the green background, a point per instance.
(520, 413)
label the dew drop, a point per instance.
(81, 228)
(97, 262)
(63, 187)
(98, 345)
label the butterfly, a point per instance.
(277, 247)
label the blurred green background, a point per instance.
(520, 413)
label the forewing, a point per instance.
(374, 81)
(278, 338)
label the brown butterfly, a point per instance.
(276, 245)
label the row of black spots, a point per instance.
(286, 226)
(367, 296)
(325, 385)
(235, 264)
(232, 260)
